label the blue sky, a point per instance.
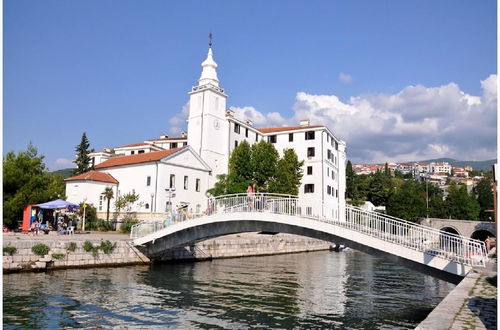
(382, 74)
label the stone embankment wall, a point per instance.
(248, 244)
(237, 245)
(25, 260)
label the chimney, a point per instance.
(305, 122)
(249, 122)
(229, 113)
(164, 136)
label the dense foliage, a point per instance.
(27, 181)
(408, 199)
(260, 164)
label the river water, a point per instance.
(346, 290)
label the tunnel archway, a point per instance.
(482, 234)
(451, 230)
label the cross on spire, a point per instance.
(210, 40)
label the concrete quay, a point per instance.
(471, 305)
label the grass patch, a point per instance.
(87, 246)
(107, 247)
(10, 250)
(58, 256)
(71, 246)
(40, 249)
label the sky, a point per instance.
(397, 80)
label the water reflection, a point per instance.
(321, 289)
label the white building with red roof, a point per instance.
(213, 133)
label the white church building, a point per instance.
(191, 162)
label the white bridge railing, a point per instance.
(431, 241)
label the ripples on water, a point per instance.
(347, 290)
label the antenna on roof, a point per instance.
(210, 40)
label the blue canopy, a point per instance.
(58, 204)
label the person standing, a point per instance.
(250, 195)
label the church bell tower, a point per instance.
(207, 126)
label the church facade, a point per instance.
(190, 163)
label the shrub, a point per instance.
(95, 251)
(107, 247)
(10, 250)
(128, 223)
(58, 255)
(104, 225)
(71, 246)
(87, 246)
(40, 249)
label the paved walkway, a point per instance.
(87, 236)
(471, 305)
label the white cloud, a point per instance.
(345, 77)
(259, 119)
(178, 122)
(416, 123)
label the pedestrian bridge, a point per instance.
(431, 251)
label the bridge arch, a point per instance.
(482, 234)
(451, 230)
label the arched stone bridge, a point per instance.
(474, 229)
(425, 249)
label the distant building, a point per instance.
(440, 167)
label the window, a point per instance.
(146, 206)
(197, 184)
(310, 152)
(309, 188)
(237, 128)
(290, 137)
(140, 151)
(235, 144)
(185, 182)
(132, 152)
(148, 181)
(173, 145)
(328, 190)
(271, 138)
(168, 206)
(336, 193)
(172, 180)
(309, 170)
(100, 202)
(329, 154)
(256, 137)
(184, 144)
(336, 145)
(310, 135)
(246, 132)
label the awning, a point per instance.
(58, 204)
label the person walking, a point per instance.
(250, 195)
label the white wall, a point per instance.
(89, 192)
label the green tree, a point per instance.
(220, 187)
(125, 202)
(380, 189)
(27, 181)
(484, 195)
(83, 161)
(264, 160)
(407, 202)
(460, 205)
(288, 174)
(108, 195)
(240, 169)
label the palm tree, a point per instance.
(108, 194)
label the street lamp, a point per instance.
(151, 205)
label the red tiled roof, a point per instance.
(133, 145)
(170, 138)
(94, 176)
(136, 159)
(284, 128)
